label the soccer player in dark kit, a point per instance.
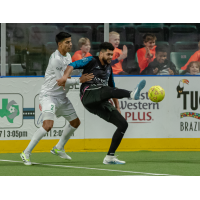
(95, 94)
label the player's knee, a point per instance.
(123, 125)
(48, 125)
(75, 123)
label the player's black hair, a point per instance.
(61, 36)
(160, 48)
(105, 46)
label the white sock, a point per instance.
(132, 94)
(67, 133)
(35, 139)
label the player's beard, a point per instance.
(105, 61)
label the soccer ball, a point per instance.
(156, 93)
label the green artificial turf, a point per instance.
(143, 162)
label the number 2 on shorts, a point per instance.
(52, 106)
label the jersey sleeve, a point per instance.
(80, 64)
(72, 81)
(111, 81)
(57, 67)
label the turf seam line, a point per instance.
(112, 170)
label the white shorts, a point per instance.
(58, 107)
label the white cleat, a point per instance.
(60, 153)
(112, 160)
(135, 95)
(26, 158)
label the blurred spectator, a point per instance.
(194, 57)
(146, 54)
(160, 65)
(118, 54)
(193, 68)
(84, 45)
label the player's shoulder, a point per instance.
(68, 56)
(55, 56)
(88, 59)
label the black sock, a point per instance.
(116, 140)
(108, 93)
(120, 93)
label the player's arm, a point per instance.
(75, 81)
(79, 64)
(111, 83)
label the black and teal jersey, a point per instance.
(103, 75)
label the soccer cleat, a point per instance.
(135, 95)
(60, 153)
(112, 160)
(26, 158)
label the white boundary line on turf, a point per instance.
(110, 170)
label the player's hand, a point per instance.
(171, 72)
(61, 82)
(86, 77)
(155, 71)
(124, 53)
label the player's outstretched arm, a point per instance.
(79, 64)
(75, 81)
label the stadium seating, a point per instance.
(38, 36)
(179, 33)
(122, 24)
(130, 33)
(118, 29)
(153, 24)
(180, 58)
(78, 31)
(186, 46)
(94, 48)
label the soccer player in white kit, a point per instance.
(54, 101)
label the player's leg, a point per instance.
(109, 113)
(37, 136)
(48, 112)
(68, 112)
(119, 121)
(109, 92)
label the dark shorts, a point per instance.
(93, 103)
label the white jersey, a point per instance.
(55, 70)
